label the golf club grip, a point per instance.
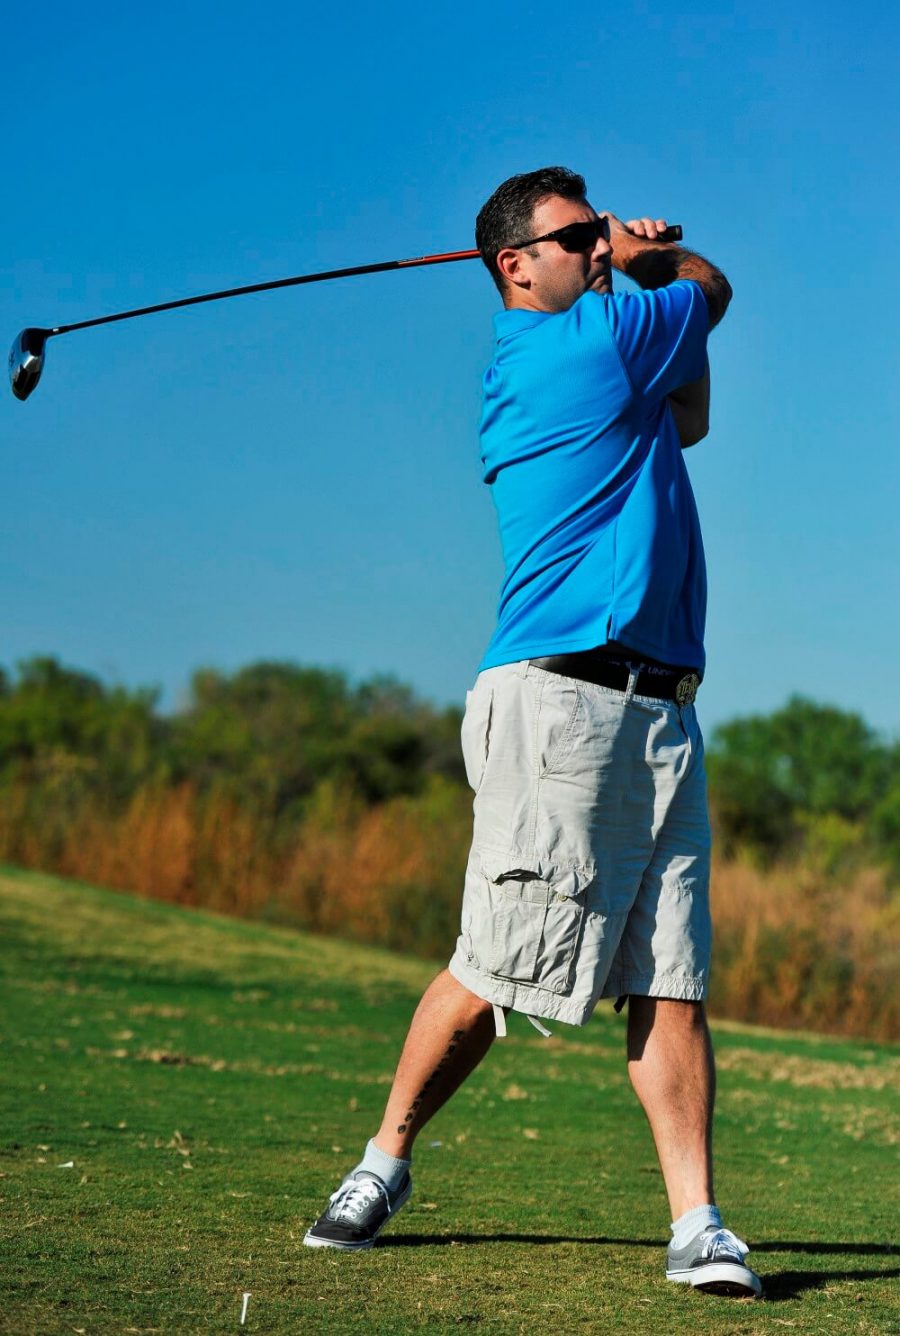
(673, 233)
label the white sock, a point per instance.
(689, 1225)
(388, 1168)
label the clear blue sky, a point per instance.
(296, 475)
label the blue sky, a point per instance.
(295, 475)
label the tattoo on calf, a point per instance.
(435, 1077)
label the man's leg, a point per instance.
(451, 1031)
(670, 1062)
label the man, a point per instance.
(589, 870)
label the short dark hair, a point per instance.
(507, 215)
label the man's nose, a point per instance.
(601, 249)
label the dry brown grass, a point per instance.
(793, 948)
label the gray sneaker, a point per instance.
(357, 1213)
(714, 1262)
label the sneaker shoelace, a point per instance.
(721, 1245)
(353, 1197)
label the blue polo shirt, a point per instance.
(598, 524)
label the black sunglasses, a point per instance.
(576, 237)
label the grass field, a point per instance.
(182, 1091)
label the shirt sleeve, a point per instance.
(661, 335)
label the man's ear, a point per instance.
(509, 262)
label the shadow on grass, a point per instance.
(779, 1245)
(445, 1240)
(852, 1249)
(779, 1285)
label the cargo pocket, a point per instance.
(475, 734)
(537, 913)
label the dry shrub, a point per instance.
(792, 949)
(390, 874)
(233, 864)
(318, 861)
(149, 848)
(168, 844)
(14, 825)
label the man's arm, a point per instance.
(690, 409)
(656, 264)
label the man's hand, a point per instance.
(623, 236)
(646, 227)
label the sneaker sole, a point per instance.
(314, 1241)
(720, 1278)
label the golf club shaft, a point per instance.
(673, 233)
(269, 287)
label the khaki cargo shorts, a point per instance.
(588, 875)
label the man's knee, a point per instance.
(681, 1012)
(479, 1009)
(450, 989)
(667, 1014)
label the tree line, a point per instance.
(289, 793)
(807, 776)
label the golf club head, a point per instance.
(26, 361)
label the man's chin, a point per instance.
(603, 284)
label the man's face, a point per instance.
(552, 279)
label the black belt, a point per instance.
(661, 681)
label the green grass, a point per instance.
(210, 1080)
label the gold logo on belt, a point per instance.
(686, 690)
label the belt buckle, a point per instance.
(686, 690)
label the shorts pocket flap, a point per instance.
(566, 883)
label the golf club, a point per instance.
(28, 352)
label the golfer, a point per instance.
(588, 875)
